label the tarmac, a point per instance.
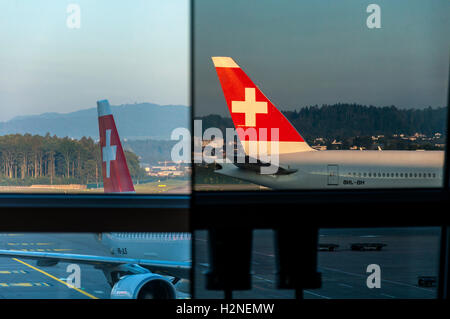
(409, 253)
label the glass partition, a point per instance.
(319, 95)
(91, 95)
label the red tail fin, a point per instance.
(250, 108)
(116, 176)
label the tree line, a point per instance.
(343, 120)
(33, 159)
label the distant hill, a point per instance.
(342, 121)
(134, 121)
(150, 151)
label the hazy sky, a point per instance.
(125, 51)
(321, 52)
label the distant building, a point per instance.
(319, 140)
(419, 135)
(165, 170)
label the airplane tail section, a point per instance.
(116, 176)
(255, 118)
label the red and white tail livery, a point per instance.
(250, 108)
(116, 176)
(304, 167)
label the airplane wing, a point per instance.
(170, 268)
(255, 165)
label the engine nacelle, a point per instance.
(143, 286)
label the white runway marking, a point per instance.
(315, 294)
(262, 254)
(262, 278)
(383, 280)
(307, 291)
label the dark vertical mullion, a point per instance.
(191, 85)
(444, 280)
(446, 156)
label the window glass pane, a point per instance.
(94, 266)
(386, 263)
(262, 268)
(91, 94)
(296, 94)
(360, 263)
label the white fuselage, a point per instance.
(351, 169)
(154, 246)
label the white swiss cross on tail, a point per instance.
(109, 153)
(249, 107)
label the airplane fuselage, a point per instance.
(155, 246)
(351, 169)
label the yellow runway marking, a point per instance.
(58, 280)
(3, 272)
(43, 249)
(11, 235)
(21, 284)
(24, 284)
(29, 244)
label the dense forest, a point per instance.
(340, 121)
(33, 159)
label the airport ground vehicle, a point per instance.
(328, 247)
(426, 281)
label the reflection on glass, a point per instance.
(328, 104)
(58, 62)
(378, 263)
(262, 268)
(95, 266)
(363, 263)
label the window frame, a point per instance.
(204, 210)
(255, 209)
(94, 212)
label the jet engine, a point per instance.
(143, 286)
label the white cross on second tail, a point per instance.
(109, 153)
(250, 107)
